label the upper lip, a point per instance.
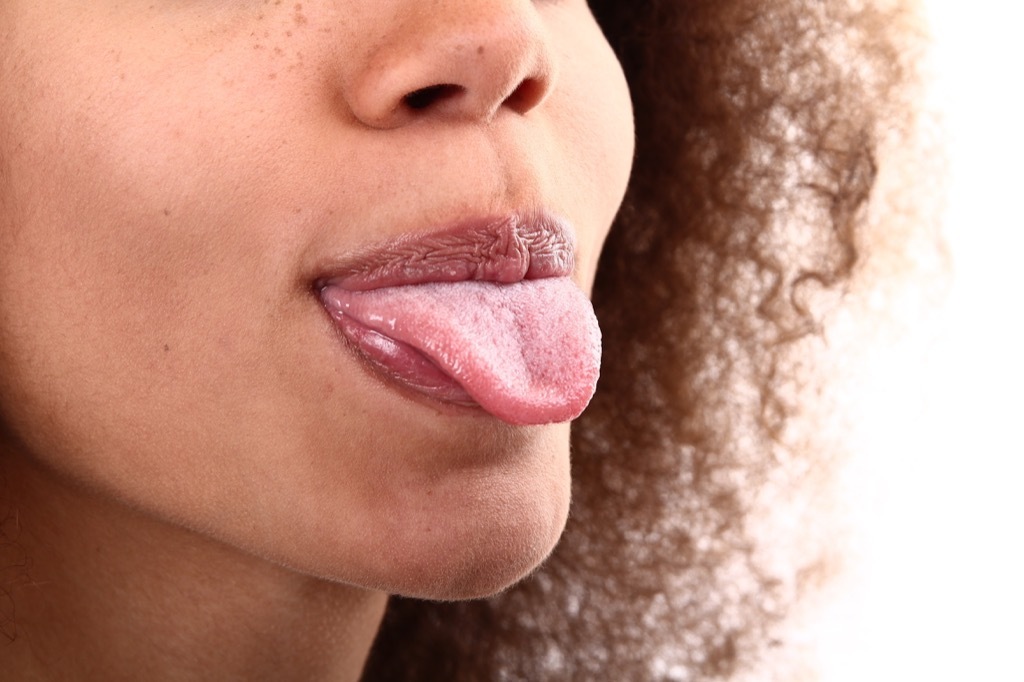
(506, 248)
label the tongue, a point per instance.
(527, 352)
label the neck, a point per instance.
(110, 593)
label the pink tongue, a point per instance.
(527, 352)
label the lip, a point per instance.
(506, 249)
(369, 298)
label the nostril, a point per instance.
(425, 97)
(526, 96)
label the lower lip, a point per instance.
(402, 364)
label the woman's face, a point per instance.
(177, 179)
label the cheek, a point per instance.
(127, 217)
(594, 120)
(121, 258)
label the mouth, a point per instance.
(484, 314)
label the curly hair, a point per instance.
(758, 129)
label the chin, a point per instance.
(467, 534)
(482, 562)
(477, 548)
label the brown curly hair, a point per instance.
(758, 129)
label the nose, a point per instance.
(454, 59)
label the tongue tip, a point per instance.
(554, 405)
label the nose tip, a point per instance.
(468, 65)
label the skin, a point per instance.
(208, 483)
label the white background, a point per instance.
(936, 588)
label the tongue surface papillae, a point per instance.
(528, 352)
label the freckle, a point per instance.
(480, 49)
(167, 211)
(166, 348)
(278, 50)
(122, 76)
(288, 33)
(272, 76)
